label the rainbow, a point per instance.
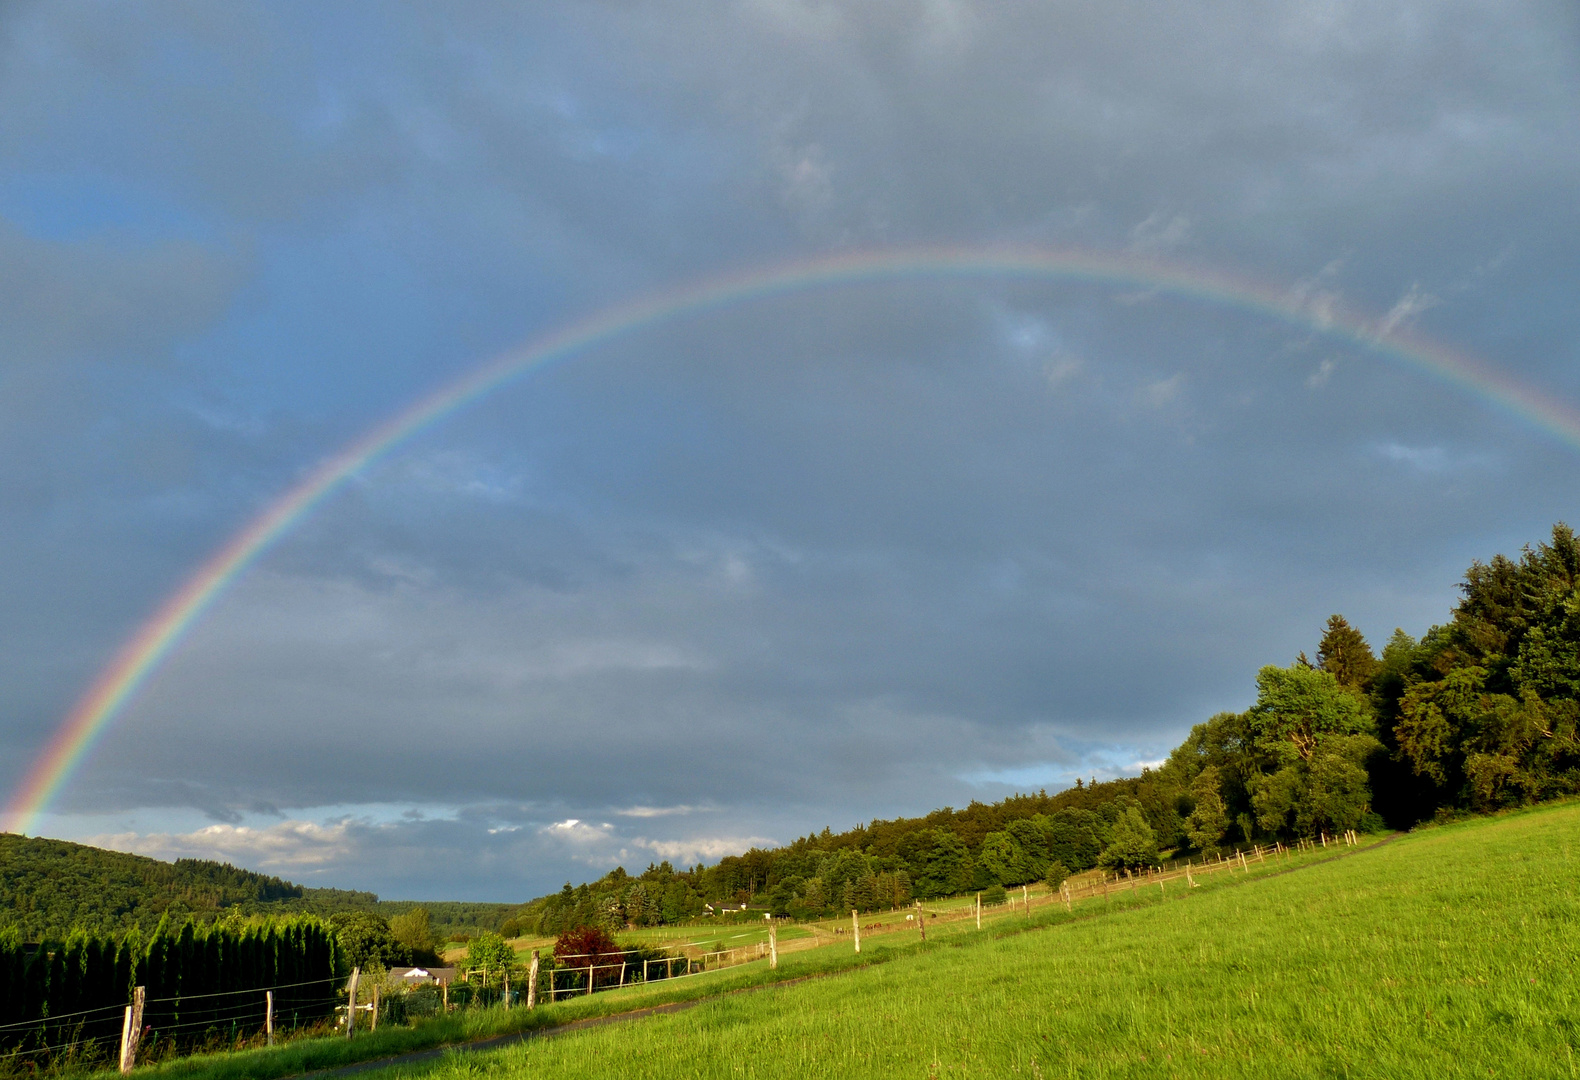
(141, 655)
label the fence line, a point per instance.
(261, 1010)
(249, 990)
(60, 1016)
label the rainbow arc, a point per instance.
(118, 683)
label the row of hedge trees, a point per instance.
(199, 981)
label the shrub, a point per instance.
(994, 894)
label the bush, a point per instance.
(1057, 875)
(994, 894)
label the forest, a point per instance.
(49, 888)
(1478, 714)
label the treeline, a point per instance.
(886, 863)
(1480, 713)
(72, 992)
(54, 887)
(49, 888)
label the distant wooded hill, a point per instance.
(51, 887)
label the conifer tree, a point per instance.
(1346, 656)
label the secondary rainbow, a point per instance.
(137, 659)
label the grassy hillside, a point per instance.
(1448, 952)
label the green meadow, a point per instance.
(1447, 952)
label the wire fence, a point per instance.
(169, 1026)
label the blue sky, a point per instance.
(806, 561)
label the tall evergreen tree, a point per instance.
(1344, 654)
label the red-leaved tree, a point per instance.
(590, 946)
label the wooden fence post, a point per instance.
(855, 928)
(921, 920)
(374, 1026)
(132, 1029)
(268, 1016)
(532, 981)
(351, 1001)
(1025, 900)
(979, 911)
(507, 988)
(773, 943)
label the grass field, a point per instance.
(1448, 952)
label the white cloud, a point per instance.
(1432, 459)
(1164, 391)
(1427, 459)
(1317, 296)
(1159, 232)
(288, 845)
(702, 848)
(463, 474)
(1405, 310)
(655, 811)
(576, 831)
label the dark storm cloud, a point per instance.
(800, 562)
